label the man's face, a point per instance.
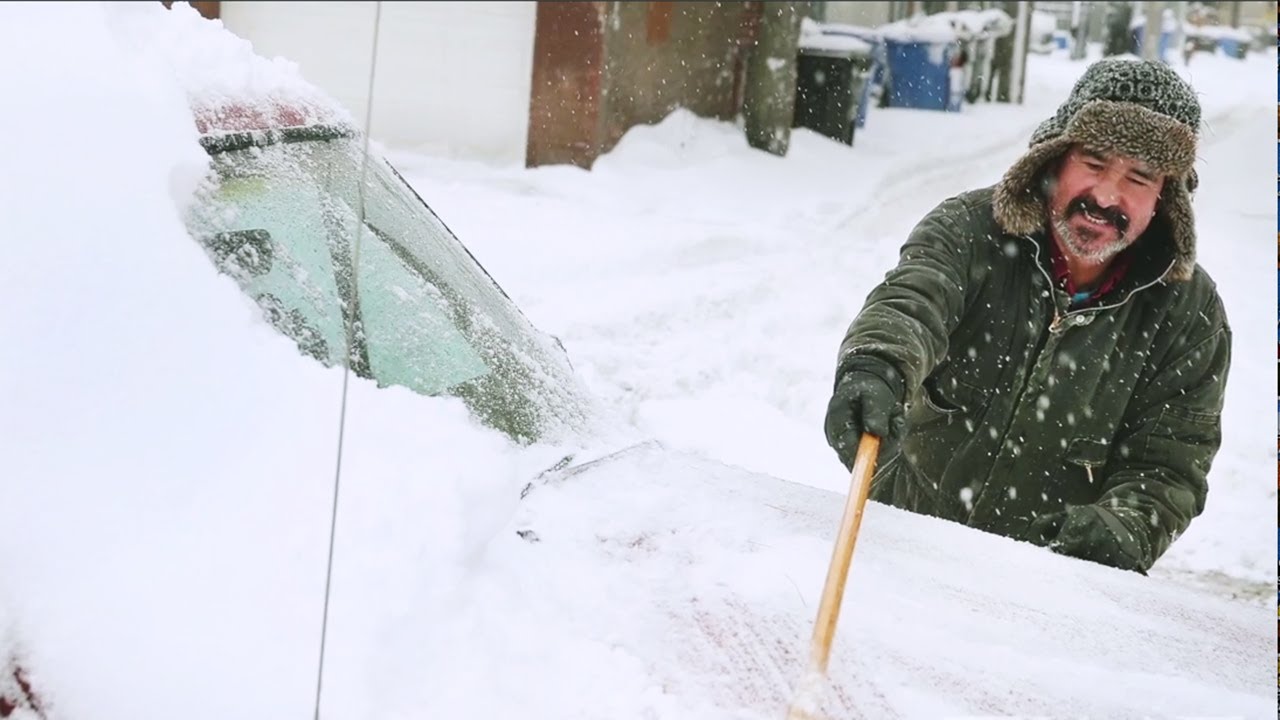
(1099, 204)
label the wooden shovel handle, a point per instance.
(833, 593)
(824, 629)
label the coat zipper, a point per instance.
(1055, 326)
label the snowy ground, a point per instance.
(168, 458)
(703, 287)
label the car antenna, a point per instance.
(346, 371)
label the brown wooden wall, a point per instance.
(564, 104)
(664, 55)
(210, 10)
(601, 68)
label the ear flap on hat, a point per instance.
(1020, 205)
(1175, 205)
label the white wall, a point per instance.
(453, 78)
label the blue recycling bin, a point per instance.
(920, 74)
(1231, 47)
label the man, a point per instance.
(1047, 361)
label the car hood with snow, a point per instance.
(708, 577)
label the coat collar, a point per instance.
(1148, 262)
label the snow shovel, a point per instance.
(804, 704)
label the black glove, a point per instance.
(867, 398)
(1081, 532)
(1044, 530)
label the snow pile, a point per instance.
(814, 36)
(1219, 32)
(978, 24)
(169, 459)
(946, 27)
(920, 29)
(858, 31)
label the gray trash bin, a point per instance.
(830, 85)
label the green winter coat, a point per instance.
(1099, 424)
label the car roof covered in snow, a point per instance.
(229, 87)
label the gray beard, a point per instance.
(1080, 246)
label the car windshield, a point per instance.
(281, 216)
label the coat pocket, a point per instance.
(1184, 436)
(943, 397)
(1090, 454)
(935, 401)
(1188, 425)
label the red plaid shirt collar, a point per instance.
(1119, 267)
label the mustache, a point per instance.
(1115, 216)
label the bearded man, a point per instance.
(1047, 361)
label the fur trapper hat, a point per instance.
(1138, 108)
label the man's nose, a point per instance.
(1107, 191)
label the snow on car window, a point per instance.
(423, 313)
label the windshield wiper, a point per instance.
(230, 142)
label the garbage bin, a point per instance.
(1233, 47)
(878, 61)
(919, 73)
(830, 86)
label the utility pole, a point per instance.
(1154, 12)
(1018, 68)
(1079, 23)
(769, 103)
(1180, 35)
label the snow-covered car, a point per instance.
(625, 581)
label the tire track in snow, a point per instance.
(909, 185)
